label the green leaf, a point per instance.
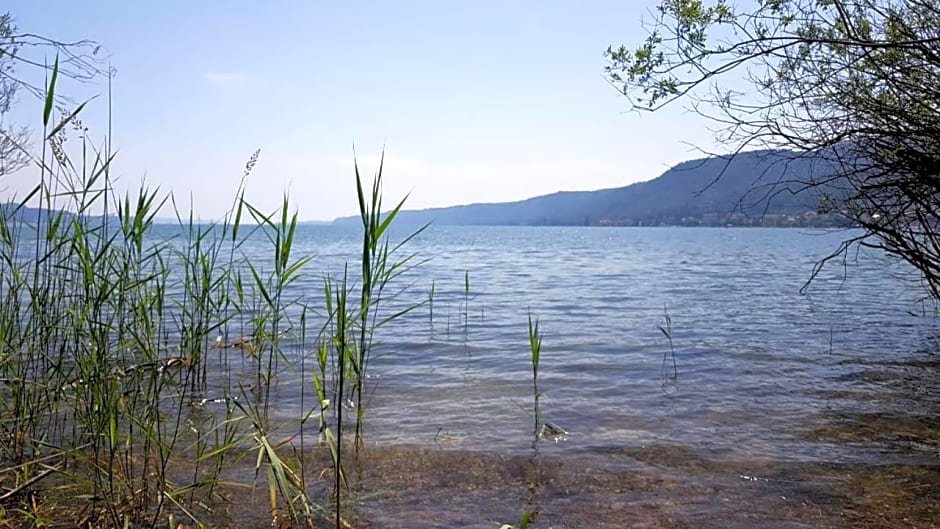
(50, 93)
(526, 520)
(362, 200)
(112, 426)
(238, 216)
(389, 218)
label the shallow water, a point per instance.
(778, 394)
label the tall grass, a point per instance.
(138, 361)
(124, 346)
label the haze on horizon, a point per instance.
(481, 102)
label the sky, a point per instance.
(471, 101)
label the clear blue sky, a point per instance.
(474, 101)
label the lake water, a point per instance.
(840, 377)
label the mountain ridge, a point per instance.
(764, 187)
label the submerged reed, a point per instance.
(666, 329)
(466, 298)
(431, 305)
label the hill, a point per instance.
(751, 188)
(25, 214)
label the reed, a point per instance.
(138, 361)
(123, 344)
(430, 292)
(666, 329)
(524, 522)
(381, 263)
(535, 349)
(466, 299)
(534, 481)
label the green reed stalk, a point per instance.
(106, 327)
(535, 348)
(343, 359)
(103, 334)
(379, 268)
(534, 485)
(339, 366)
(666, 329)
(524, 522)
(466, 298)
(271, 321)
(280, 230)
(431, 305)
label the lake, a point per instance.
(774, 393)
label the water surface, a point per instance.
(776, 391)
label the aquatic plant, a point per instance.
(379, 268)
(535, 349)
(524, 522)
(431, 305)
(138, 361)
(466, 298)
(123, 346)
(666, 329)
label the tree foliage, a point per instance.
(12, 157)
(854, 84)
(23, 62)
